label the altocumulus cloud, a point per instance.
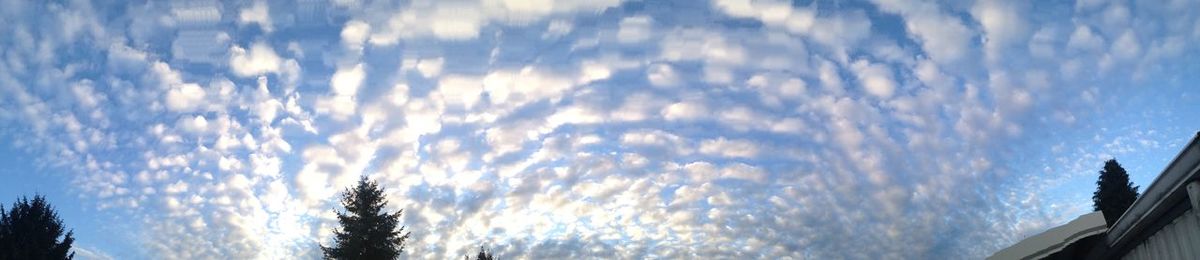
(559, 129)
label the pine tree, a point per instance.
(1114, 192)
(31, 230)
(367, 231)
(483, 255)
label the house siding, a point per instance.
(1178, 240)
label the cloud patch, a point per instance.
(260, 59)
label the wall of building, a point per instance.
(1178, 240)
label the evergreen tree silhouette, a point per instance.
(367, 231)
(31, 230)
(483, 255)
(1114, 192)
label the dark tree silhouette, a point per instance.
(31, 230)
(1114, 192)
(483, 255)
(367, 232)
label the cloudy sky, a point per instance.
(596, 128)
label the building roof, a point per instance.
(1054, 240)
(1159, 204)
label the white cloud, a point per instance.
(557, 28)
(123, 59)
(430, 68)
(511, 89)
(312, 181)
(770, 12)
(200, 44)
(185, 97)
(266, 108)
(399, 94)
(775, 89)
(685, 110)
(344, 85)
(634, 29)
(574, 115)
(876, 79)
(461, 90)
(196, 125)
(942, 36)
(594, 71)
(1116, 16)
(729, 148)
(340, 107)
(637, 107)
(1002, 24)
(256, 14)
(467, 20)
(346, 81)
(176, 188)
(508, 138)
(662, 75)
(801, 20)
(461, 20)
(1041, 44)
(717, 74)
(695, 44)
(656, 138)
(837, 32)
(1084, 39)
(1126, 46)
(741, 118)
(86, 94)
(456, 23)
(260, 59)
(355, 33)
(788, 126)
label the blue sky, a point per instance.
(612, 129)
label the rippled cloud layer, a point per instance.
(613, 129)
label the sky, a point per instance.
(548, 129)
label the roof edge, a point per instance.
(1055, 239)
(1169, 183)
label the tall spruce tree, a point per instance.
(482, 255)
(367, 231)
(1114, 192)
(31, 230)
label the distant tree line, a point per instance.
(31, 229)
